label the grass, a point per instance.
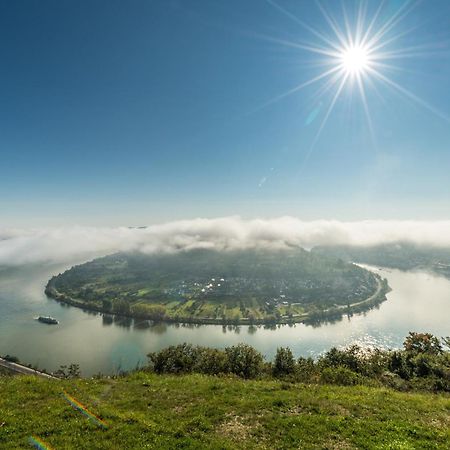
(144, 410)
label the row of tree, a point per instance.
(423, 363)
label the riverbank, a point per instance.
(196, 411)
(315, 317)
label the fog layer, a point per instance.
(21, 246)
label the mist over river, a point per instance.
(418, 302)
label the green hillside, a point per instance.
(206, 286)
(144, 410)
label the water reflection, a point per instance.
(121, 321)
(107, 319)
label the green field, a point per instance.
(144, 410)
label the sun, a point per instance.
(356, 54)
(355, 60)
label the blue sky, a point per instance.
(131, 113)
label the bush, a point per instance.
(374, 362)
(284, 363)
(422, 365)
(349, 358)
(401, 369)
(306, 369)
(393, 381)
(339, 375)
(398, 364)
(241, 360)
(71, 371)
(211, 361)
(244, 360)
(180, 358)
(11, 358)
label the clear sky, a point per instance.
(136, 112)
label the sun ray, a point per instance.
(397, 17)
(303, 24)
(375, 48)
(372, 23)
(327, 115)
(333, 25)
(328, 85)
(348, 28)
(299, 45)
(366, 108)
(297, 88)
(412, 52)
(409, 94)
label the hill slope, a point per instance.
(144, 410)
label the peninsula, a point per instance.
(250, 286)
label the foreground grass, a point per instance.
(144, 410)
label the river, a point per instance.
(418, 302)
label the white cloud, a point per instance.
(18, 246)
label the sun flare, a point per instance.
(355, 60)
(357, 53)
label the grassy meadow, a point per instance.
(145, 410)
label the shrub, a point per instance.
(71, 371)
(211, 361)
(398, 364)
(11, 358)
(422, 365)
(180, 358)
(401, 369)
(244, 360)
(440, 384)
(349, 358)
(374, 362)
(339, 375)
(306, 369)
(393, 381)
(284, 363)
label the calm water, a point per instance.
(418, 301)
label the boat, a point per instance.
(48, 319)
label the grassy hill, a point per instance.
(144, 410)
(207, 286)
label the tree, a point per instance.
(121, 306)
(284, 363)
(175, 359)
(422, 343)
(71, 371)
(244, 360)
(446, 341)
(106, 304)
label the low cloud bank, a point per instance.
(18, 246)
